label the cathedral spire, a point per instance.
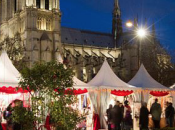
(116, 22)
(153, 30)
(135, 23)
(146, 23)
(117, 7)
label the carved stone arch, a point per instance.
(47, 48)
(35, 47)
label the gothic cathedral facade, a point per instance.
(38, 23)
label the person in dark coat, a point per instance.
(156, 113)
(143, 119)
(117, 116)
(169, 114)
(122, 109)
(108, 112)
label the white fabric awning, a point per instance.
(106, 78)
(143, 80)
(80, 84)
(9, 75)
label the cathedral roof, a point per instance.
(89, 38)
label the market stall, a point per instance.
(107, 84)
(9, 79)
(151, 89)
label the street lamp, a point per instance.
(129, 24)
(140, 33)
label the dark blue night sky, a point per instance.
(96, 15)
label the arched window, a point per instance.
(48, 24)
(39, 23)
(38, 3)
(47, 4)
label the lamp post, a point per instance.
(141, 33)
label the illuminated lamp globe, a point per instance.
(141, 33)
(129, 24)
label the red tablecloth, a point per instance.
(3, 126)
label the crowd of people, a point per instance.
(119, 116)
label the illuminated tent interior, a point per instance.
(143, 80)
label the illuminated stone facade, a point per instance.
(38, 23)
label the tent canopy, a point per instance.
(143, 80)
(79, 84)
(9, 75)
(106, 78)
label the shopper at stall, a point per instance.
(169, 114)
(7, 114)
(122, 109)
(143, 119)
(116, 116)
(127, 116)
(109, 120)
(156, 113)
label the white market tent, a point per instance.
(9, 75)
(143, 80)
(106, 78)
(79, 84)
(9, 79)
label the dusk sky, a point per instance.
(96, 15)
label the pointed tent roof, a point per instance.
(106, 78)
(79, 84)
(9, 75)
(143, 80)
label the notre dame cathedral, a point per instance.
(36, 25)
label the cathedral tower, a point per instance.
(37, 22)
(116, 22)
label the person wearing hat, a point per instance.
(156, 113)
